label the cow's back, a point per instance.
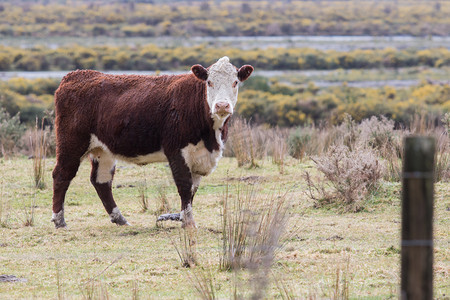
(130, 114)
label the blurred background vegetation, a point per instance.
(403, 73)
(223, 18)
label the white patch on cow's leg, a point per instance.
(187, 217)
(106, 163)
(116, 217)
(58, 219)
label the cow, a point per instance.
(179, 119)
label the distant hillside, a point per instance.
(223, 18)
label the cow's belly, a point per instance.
(145, 159)
(157, 156)
(199, 160)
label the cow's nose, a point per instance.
(222, 106)
(223, 109)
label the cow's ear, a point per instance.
(200, 72)
(244, 72)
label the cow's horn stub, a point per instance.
(200, 72)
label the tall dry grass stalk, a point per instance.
(59, 282)
(142, 190)
(186, 247)
(337, 289)
(421, 124)
(242, 143)
(29, 211)
(135, 290)
(285, 290)
(442, 156)
(38, 145)
(252, 225)
(5, 207)
(280, 148)
(424, 125)
(341, 286)
(94, 290)
(163, 204)
(204, 282)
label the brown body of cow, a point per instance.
(182, 119)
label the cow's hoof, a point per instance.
(58, 219)
(116, 217)
(166, 217)
(121, 222)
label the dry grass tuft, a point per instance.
(341, 286)
(242, 143)
(186, 247)
(204, 282)
(252, 225)
(94, 290)
(279, 143)
(29, 211)
(38, 145)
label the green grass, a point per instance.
(95, 257)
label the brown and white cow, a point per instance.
(182, 119)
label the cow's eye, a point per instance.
(210, 84)
(235, 83)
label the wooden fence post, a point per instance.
(417, 219)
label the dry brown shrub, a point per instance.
(347, 177)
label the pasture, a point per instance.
(324, 253)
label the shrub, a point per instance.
(5, 62)
(298, 140)
(10, 132)
(349, 177)
(378, 134)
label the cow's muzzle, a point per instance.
(223, 109)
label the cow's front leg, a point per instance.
(187, 186)
(102, 174)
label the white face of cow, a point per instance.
(222, 80)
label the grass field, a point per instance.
(323, 252)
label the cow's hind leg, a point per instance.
(67, 164)
(102, 174)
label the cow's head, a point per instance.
(222, 82)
